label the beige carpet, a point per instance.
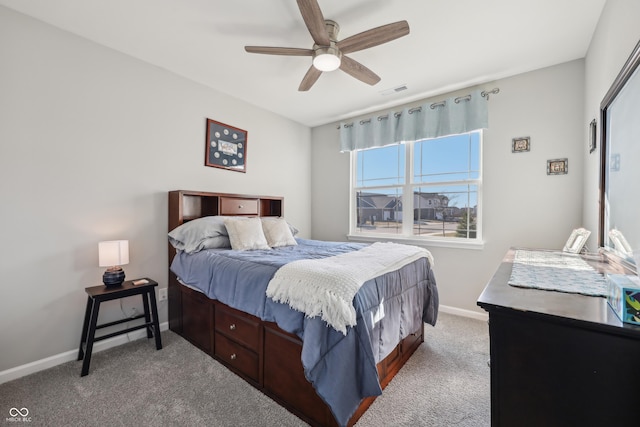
(445, 383)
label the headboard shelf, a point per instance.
(270, 207)
(189, 205)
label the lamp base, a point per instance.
(113, 277)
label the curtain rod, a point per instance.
(484, 94)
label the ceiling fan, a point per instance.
(328, 53)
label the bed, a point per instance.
(325, 369)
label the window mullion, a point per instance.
(354, 193)
(407, 192)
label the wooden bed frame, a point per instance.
(258, 351)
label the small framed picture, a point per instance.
(576, 241)
(557, 167)
(593, 136)
(520, 145)
(225, 147)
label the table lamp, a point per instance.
(113, 254)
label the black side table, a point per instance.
(98, 294)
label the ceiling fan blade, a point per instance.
(374, 37)
(313, 19)
(309, 79)
(292, 51)
(359, 71)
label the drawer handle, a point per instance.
(240, 206)
(232, 326)
(233, 356)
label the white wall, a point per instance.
(615, 37)
(522, 206)
(91, 140)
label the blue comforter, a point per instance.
(341, 368)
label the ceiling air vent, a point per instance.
(394, 90)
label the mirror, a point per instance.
(619, 228)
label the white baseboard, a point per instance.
(67, 356)
(464, 313)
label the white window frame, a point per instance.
(407, 187)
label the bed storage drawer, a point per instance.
(412, 341)
(197, 317)
(284, 377)
(232, 206)
(238, 327)
(236, 356)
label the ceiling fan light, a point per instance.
(326, 59)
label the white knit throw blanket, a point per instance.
(326, 287)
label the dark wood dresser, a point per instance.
(559, 359)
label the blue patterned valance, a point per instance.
(431, 120)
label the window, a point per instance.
(428, 189)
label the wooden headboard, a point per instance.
(188, 205)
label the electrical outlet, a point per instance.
(162, 294)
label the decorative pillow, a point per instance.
(191, 236)
(293, 230)
(277, 232)
(246, 234)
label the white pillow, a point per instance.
(246, 234)
(277, 232)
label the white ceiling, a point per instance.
(453, 44)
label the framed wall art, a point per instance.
(520, 145)
(557, 167)
(226, 147)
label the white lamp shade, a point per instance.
(113, 252)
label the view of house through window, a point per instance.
(427, 189)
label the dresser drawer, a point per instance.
(232, 206)
(237, 327)
(236, 356)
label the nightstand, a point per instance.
(99, 294)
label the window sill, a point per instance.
(440, 243)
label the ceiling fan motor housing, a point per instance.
(328, 58)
